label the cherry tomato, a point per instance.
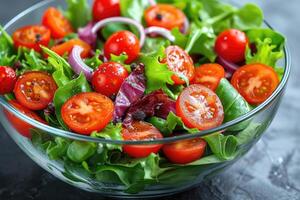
(87, 112)
(209, 75)
(164, 15)
(21, 126)
(66, 47)
(32, 37)
(57, 23)
(255, 82)
(199, 107)
(106, 8)
(8, 79)
(108, 78)
(180, 63)
(140, 130)
(35, 90)
(122, 42)
(185, 151)
(231, 45)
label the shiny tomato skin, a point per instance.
(108, 78)
(185, 151)
(231, 45)
(199, 107)
(181, 63)
(87, 112)
(57, 23)
(66, 47)
(255, 82)
(32, 37)
(122, 42)
(8, 79)
(165, 16)
(35, 90)
(140, 130)
(21, 126)
(106, 8)
(209, 75)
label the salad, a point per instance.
(140, 70)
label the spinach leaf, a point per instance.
(63, 93)
(233, 103)
(112, 132)
(224, 147)
(78, 13)
(7, 52)
(79, 151)
(158, 75)
(171, 124)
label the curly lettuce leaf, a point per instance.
(94, 62)
(78, 13)
(64, 92)
(157, 74)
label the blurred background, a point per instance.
(271, 170)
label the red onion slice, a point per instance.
(77, 63)
(186, 26)
(160, 31)
(85, 34)
(229, 67)
(126, 20)
(152, 2)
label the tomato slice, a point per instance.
(35, 90)
(164, 15)
(255, 82)
(32, 37)
(185, 151)
(140, 130)
(21, 126)
(180, 63)
(57, 23)
(66, 47)
(87, 112)
(209, 75)
(199, 107)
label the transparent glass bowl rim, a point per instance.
(75, 136)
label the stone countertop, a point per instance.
(271, 170)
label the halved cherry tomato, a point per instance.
(185, 151)
(57, 23)
(140, 130)
(180, 63)
(122, 42)
(66, 47)
(35, 90)
(209, 75)
(32, 37)
(108, 78)
(106, 8)
(231, 45)
(255, 82)
(199, 107)
(87, 112)
(164, 15)
(21, 126)
(8, 79)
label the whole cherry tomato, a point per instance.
(106, 8)
(8, 79)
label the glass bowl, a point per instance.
(169, 180)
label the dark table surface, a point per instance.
(271, 170)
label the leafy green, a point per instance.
(109, 29)
(64, 92)
(7, 52)
(152, 44)
(171, 124)
(247, 17)
(158, 75)
(112, 132)
(79, 151)
(94, 62)
(121, 59)
(133, 9)
(78, 13)
(224, 147)
(233, 103)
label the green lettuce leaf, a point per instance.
(133, 9)
(171, 124)
(63, 93)
(7, 51)
(79, 151)
(94, 62)
(78, 13)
